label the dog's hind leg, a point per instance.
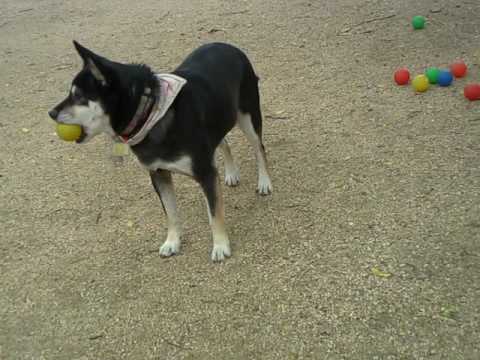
(250, 124)
(163, 184)
(211, 186)
(232, 174)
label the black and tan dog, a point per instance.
(174, 123)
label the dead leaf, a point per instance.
(449, 312)
(379, 273)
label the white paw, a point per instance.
(220, 252)
(264, 185)
(169, 248)
(232, 177)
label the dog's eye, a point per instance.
(78, 97)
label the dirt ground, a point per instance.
(367, 175)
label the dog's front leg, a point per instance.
(163, 184)
(211, 187)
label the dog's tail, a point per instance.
(250, 96)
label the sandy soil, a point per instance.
(366, 175)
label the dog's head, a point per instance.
(90, 97)
(104, 95)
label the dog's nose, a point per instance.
(53, 114)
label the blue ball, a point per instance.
(445, 78)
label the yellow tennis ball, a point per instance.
(420, 83)
(69, 132)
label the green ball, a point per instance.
(418, 22)
(432, 75)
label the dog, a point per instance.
(174, 123)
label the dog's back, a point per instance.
(221, 83)
(222, 65)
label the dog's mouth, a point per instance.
(82, 137)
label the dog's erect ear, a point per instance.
(95, 63)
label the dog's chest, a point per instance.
(182, 165)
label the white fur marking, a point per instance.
(221, 243)
(182, 165)
(264, 183)
(96, 71)
(221, 251)
(90, 117)
(232, 174)
(171, 246)
(167, 194)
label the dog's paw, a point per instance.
(232, 177)
(220, 252)
(264, 185)
(169, 248)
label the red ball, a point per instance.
(402, 76)
(472, 92)
(458, 69)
